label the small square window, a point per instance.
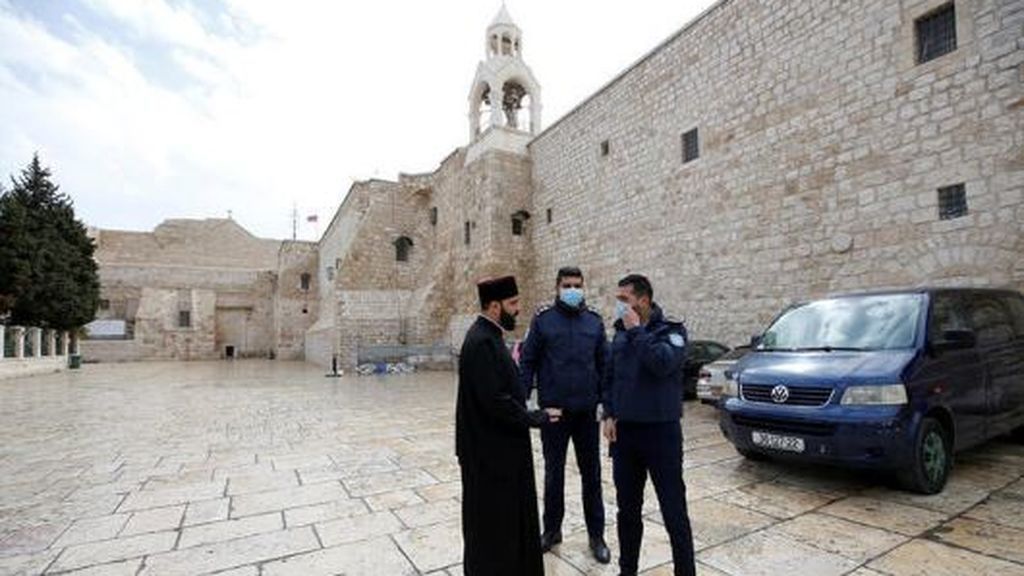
(952, 202)
(104, 304)
(936, 33)
(605, 148)
(691, 146)
(184, 319)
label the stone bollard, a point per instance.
(51, 342)
(65, 343)
(36, 335)
(3, 331)
(18, 333)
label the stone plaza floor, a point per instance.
(261, 468)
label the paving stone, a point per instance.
(276, 500)
(848, 539)
(359, 527)
(984, 537)
(204, 511)
(156, 520)
(772, 554)
(232, 553)
(1001, 508)
(92, 530)
(146, 499)
(908, 520)
(373, 557)
(392, 500)
(31, 538)
(714, 521)
(261, 482)
(430, 513)
(122, 568)
(323, 512)
(230, 529)
(388, 481)
(775, 499)
(432, 547)
(83, 555)
(923, 558)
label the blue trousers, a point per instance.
(584, 431)
(655, 449)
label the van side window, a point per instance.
(1015, 304)
(946, 315)
(990, 319)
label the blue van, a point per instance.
(895, 381)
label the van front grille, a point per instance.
(797, 395)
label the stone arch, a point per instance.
(962, 258)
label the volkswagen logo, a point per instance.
(780, 394)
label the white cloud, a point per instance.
(155, 115)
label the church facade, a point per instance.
(768, 152)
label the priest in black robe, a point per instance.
(500, 526)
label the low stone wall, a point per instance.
(20, 367)
(111, 351)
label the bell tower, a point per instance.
(504, 101)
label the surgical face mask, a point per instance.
(571, 297)
(620, 309)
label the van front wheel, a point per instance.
(932, 459)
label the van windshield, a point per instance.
(877, 322)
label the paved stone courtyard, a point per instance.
(269, 468)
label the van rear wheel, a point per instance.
(932, 459)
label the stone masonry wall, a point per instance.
(822, 146)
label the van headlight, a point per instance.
(887, 395)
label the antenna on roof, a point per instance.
(295, 221)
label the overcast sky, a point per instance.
(154, 109)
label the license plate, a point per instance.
(776, 442)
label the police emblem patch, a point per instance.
(677, 340)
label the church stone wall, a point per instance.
(822, 146)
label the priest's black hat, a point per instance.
(496, 289)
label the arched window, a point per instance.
(519, 222)
(403, 246)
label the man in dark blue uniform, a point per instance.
(643, 406)
(565, 350)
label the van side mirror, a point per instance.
(955, 340)
(755, 340)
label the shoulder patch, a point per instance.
(542, 309)
(676, 340)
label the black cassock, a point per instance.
(500, 527)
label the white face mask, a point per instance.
(620, 309)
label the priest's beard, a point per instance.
(506, 320)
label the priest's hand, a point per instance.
(554, 414)
(609, 430)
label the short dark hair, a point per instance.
(640, 285)
(568, 272)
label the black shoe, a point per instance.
(600, 550)
(548, 540)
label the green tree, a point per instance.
(48, 276)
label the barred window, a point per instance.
(304, 281)
(691, 146)
(952, 202)
(184, 319)
(519, 222)
(936, 33)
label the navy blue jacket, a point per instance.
(644, 376)
(565, 349)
